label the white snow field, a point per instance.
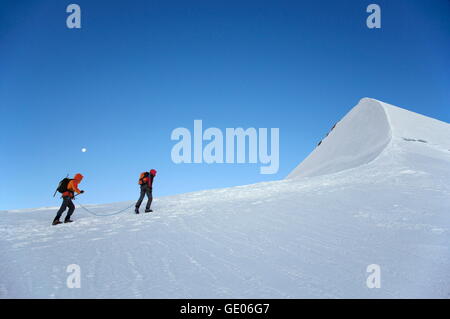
(376, 191)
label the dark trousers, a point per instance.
(67, 202)
(145, 190)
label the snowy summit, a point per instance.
(374, 192)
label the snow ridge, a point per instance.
(365, 133)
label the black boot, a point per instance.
(56, 222)
(148, 210)
(68, 221)
(136, 210)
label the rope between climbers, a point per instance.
(115, 213)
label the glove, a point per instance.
(81, 192)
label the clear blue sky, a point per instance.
(139, 69)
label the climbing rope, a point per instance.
(115, 213)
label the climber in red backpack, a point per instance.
(146, 182)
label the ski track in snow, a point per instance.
(309, 237)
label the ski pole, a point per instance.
(77, 195)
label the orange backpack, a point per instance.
(142, 176)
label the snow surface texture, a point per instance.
(376, 191)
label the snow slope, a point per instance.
(375, 191)
(357, 139)
(365, 132)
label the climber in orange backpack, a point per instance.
(146, 182)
